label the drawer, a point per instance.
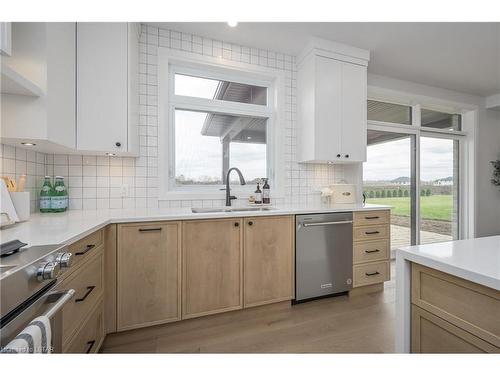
(431, 334)
(371, 217)
(88, 285)
(91, 334)
(86, 246)
(472, 307)
(370, 233)
(370, 251)
(371, 273)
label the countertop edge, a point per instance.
(453, 270)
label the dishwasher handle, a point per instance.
(327, 223)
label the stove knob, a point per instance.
(64, 259)
(48, 271)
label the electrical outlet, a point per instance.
(125, 190)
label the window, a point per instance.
(208, 144)
(214, 117)
(417, 171)
(441, 120)
(389, 112)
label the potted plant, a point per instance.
(496, 173)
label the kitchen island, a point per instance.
(448, 296)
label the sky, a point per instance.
(389, 160)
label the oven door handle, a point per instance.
(60, 298)
(327, 223)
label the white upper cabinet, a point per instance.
(332, 97)
(38, 86)
(107, 88)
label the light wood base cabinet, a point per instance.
(268, 260)
(148, 274)
(453, 315)
(212, 267)
(371, 247)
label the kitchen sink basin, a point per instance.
(230, 209)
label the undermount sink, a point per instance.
(230, 209)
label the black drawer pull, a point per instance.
(372, 273)
(236, 224)
(374, 232)
(250, 223)
(372, 217)
(86, 250)
(149, 229)
(90, 346)
(89, 290)
(372, 251)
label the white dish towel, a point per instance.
(35, 338)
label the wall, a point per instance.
(95, 182)
(488, 195)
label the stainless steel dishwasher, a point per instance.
(323, 255)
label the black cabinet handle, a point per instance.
(149, 229)
(346, 155)
(372, 217)
(118, 144)
(236, 224)
(250, 223)
(374, 232)
(372, 274)
(372, 251)
(90, 346)
(338, 155)
(86, 250)
(89, 290)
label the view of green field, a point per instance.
(434, 207)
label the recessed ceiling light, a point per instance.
(28, 144)
(232, 23)
(110, 154)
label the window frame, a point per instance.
(180, 62)
(465, 136)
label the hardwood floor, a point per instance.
(345, 324)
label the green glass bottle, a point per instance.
(45, 195)
(59, 197)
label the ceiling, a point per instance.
(464, 57)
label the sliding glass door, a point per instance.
(439, 189)
(388, 179)
(413, 164)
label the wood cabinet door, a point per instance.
(212, 267)
(148, 274)
(268, 260)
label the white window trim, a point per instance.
(467, 143)
(242, 72)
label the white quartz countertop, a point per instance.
(476, 260)
(67, 227)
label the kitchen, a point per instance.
(199, 188)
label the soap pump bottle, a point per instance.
(258, 195)
(266, 192)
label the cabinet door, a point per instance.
(354, 97)
(212, 267)
(102, 86)
(328, 116)
(148, 274)
(268, 260)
